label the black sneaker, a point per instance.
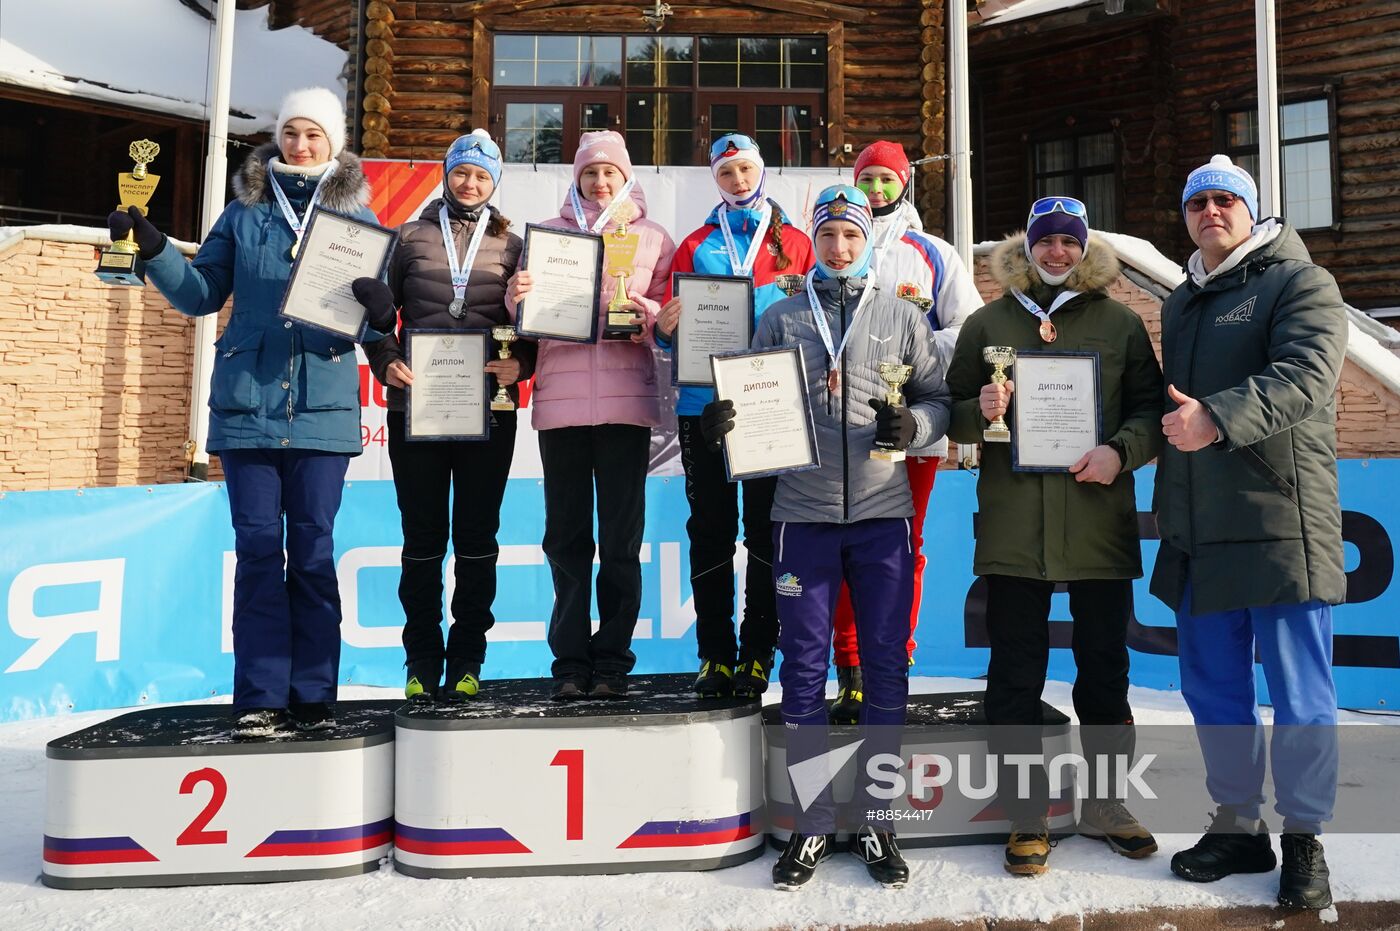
(751, 678)
(800, 857)
(1304, 882)
(259, 722)
(569, 689)
(849, 695)
(463, 680)
(716, 680)
(423, 678)
(880, 854)
(607, 686)
(1227, 847)
(312, 716)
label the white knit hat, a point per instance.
(320, 106)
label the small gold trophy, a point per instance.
(999, 357)
(894, 375)
(121, 263)
(620, 253)
(505, 335)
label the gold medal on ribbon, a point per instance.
(292, 252)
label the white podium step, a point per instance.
(164, 797)
(948, 724)
(515, 784)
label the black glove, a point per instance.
(716, 420)
(378, 300)
(894, 425)
(148, 239)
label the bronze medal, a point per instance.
(1047, 331)
(833, 381)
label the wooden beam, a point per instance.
(835, 92)
(804, 8)
(482, 63)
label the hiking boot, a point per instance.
(311, 716)
(1304, 882)
(463, 680)
(849, 695)
(751, 678)
(716, 680)
(424, 675)
(569, 689)
(1028, 848)
(1110, 821)
(800, 857)
(881, 856)
(607, 686)
(259, 722)
(1230, 845)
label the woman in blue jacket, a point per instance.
(284, 410)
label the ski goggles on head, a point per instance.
(731, 144)
(845, 192)
(842, 202)
(1059, 204)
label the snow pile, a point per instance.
(154, 55)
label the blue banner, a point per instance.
(120, 596)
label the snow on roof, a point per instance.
(1004, 11)
(1373, 346)
(154, 55)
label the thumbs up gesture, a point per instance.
(1189, 427)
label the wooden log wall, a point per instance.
(1351, 45)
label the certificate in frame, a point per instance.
(554, 308)
(1057, 413)
(452, 403)
(773, 431)
(335, 250)
(716, 317)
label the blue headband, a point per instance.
(476, 148)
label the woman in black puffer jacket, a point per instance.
(474, 474)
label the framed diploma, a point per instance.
(566, 268)
(335, 250)
(716, 317)
(1056, 412)
(773, 432)
(448, 399)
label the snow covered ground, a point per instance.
(948, 883)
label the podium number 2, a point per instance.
(196, 833)
(572, 761)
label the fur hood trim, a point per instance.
(347, 189)
(1095, 272)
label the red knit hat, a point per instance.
(887, 155)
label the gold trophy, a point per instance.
(999, 357)
(894, 375)
(620, 254)
(505, 335)
(121, 263)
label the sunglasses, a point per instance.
(1224, 201)
(1048, 205)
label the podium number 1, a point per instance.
(196, 833)
(572, 761)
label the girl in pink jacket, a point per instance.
(594, 405)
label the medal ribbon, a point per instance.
(461, 272)
(602, 221)
(1035, 308)
(298, 224)
(833, 351)
(765, 216)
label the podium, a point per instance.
(513, 783)
(165, 797)
(947, 725)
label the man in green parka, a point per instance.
(1079, 527)
(1251, 525)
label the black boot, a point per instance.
(1227, 847)
(751, 678)
(881, 856)
(800, 857)
(463, 680)
(715, 680)
(1304, 883)
(849, 695)
(424, 677)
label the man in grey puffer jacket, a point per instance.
(847, 520)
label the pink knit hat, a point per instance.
(603, 146)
